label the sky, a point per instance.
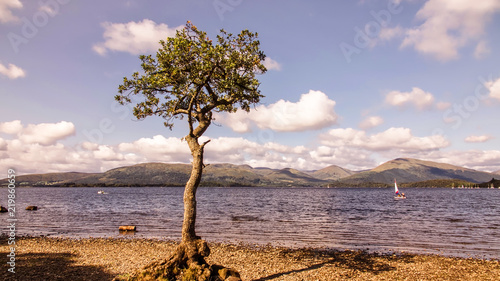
(349, 83)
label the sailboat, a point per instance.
(397, 194)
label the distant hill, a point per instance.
(148, 174)
(48, 179)
(229, 175)
(292, 177)
(497, 172)
(162, 174)
(332, 172)
(408, 172)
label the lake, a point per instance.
(454, 222)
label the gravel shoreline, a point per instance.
(42, 258)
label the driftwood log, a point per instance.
(127, 228)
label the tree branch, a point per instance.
(204, 143)
(156, 89)
(190, 117)
(215, 98)
(180, 111)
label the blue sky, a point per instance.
(349, 83)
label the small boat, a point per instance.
(101, 192)
(398, 195)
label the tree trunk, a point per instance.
(188, 225)
(189, 257)
(191, 252)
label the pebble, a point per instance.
(43, 258)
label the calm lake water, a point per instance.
(457, 222)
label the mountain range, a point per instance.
(408, 172)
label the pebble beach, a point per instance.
(43, 258)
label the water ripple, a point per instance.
(444, 221)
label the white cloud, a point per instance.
(108, 153)
(482, 160)
(417, 97)
(348, 148)
(3, 144)
(313, 111)
(483, 138)
(387, 34)
(356, 150)
(37, 149)
(41, 134)
(158, 148)
(271, 64)
(494, 88)
(11, 128)
(46, 133)
(35, 158)
(232, 150)
(5, 10)
(52, 9)
(398, 140)
(443, 105)
(371, 122)
(90, 146)
(344, 156)
(133, 37)
(12, 71)
(219, 150)
(482, 50)
(449, 25)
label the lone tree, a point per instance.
(190, 78)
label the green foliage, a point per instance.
(192, 76)
(438, 183)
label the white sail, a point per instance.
(396, 191)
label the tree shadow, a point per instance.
(51, 266)
(277, 275)
(358, 261)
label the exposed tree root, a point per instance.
(187, 263)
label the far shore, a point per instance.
(43, 258)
